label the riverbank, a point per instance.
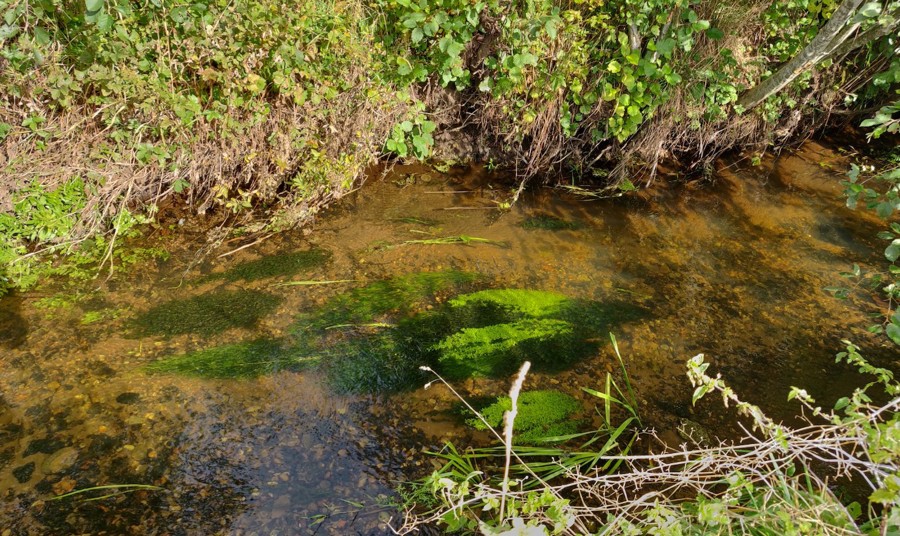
(261, 114)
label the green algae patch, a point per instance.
(530, 303)
(206, 314)
(398, 295)
(545, 222)
(496, 330)
(232, 361)
(376, 337)
(282, 265)
(541, 414)
(500, 348)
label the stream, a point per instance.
(265, 391)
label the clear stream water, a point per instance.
(734, 269)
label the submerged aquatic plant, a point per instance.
(275, 265)
(242, 360)
(484, 333)
(401, 294)
(458, 239)
(545, 222)
(206, 314)
(372, 364)
(501, 328)
(501, 348)
(541, 414)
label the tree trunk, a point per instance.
(822, 44)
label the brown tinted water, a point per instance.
(735, 269)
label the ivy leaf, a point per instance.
(417, 35)
(715, 34)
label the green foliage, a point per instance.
(232, 361)
(412, 137)
(884, 120)
(880, 191)
(44, 216)
(206, 314)
(282, 264)
(541, 414)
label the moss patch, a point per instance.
(541, 414)
(500, 348)
(275, 266)
(496, 330)
(545, 222)
(207, 314)
(242, 360)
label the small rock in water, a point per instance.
(23, 473)
(44, 446)
(60, 460)
(128, 398)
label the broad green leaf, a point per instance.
(893, 331)
(870, 10)
(892, 253)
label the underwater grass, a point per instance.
(233, 361)
(284, 264)
(485, 333)
(206, 314)
(530, 303)
(541, 414)
(400, 295)
(424, 222)
(372, 364)
(499, 349)
(545, 222)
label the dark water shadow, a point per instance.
(13, 327)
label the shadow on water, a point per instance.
(13, 327)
